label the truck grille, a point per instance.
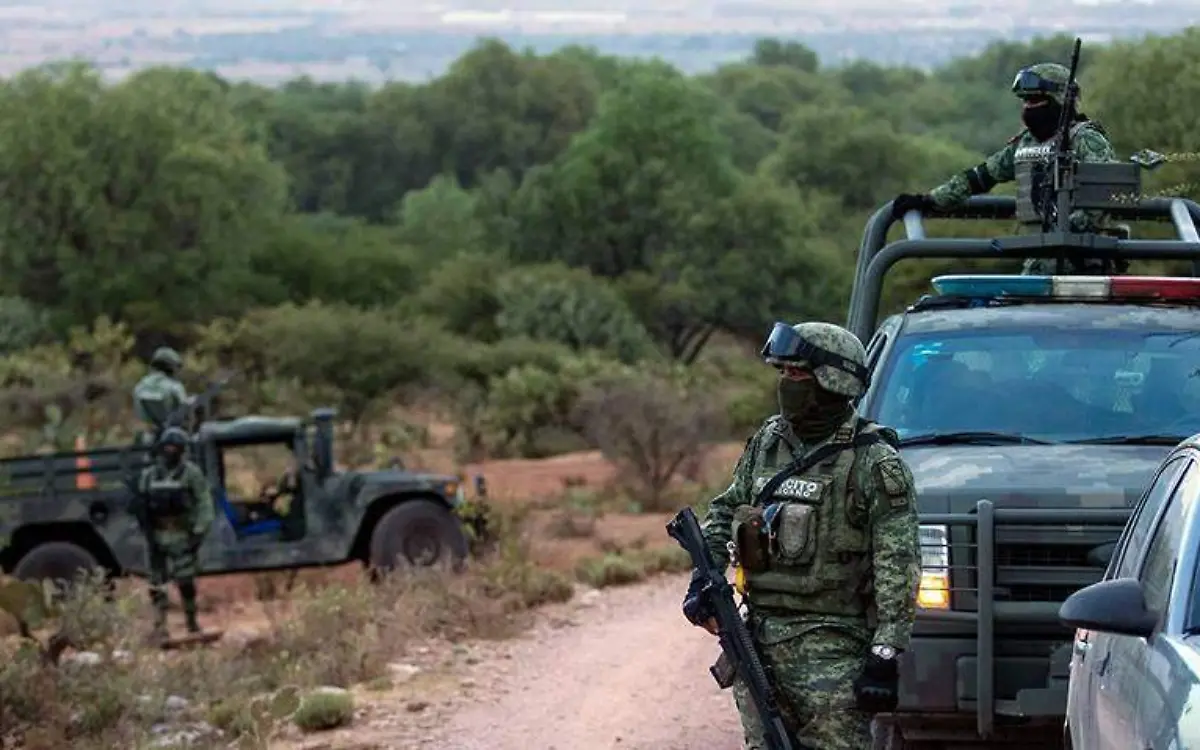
(1036, 564)
(1038, 555)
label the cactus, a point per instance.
(33, 606)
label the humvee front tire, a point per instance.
(60, 562)
(417, 533)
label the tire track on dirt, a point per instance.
(622, 670)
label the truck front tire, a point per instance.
(417, 533)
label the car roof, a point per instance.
(1051, 315)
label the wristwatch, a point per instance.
(884, 652)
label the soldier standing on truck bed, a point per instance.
(175, 512)
(830, 562)
(1026, 158)
(159, 393)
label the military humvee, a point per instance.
(1033, 411)
(65, 512)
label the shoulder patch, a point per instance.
(893, 478)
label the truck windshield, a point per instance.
(1091, 384)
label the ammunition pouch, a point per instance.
(793, 529)
(163, 503)
(750, 538)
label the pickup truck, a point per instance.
(1033, 411)
(67, 512)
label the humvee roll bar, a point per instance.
(876, 255)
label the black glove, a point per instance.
(697, 607)
(877, 689)
(906, 202)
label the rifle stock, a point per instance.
(739, 657)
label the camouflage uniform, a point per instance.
(841, 581)
(177, 514)
(1026, 159)
(158, 394)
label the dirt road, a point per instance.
(614, 669)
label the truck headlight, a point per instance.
(453, 491)
(934, 592)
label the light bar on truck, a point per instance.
(1069, 287)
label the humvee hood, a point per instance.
(950, 479)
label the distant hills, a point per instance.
(374, 40)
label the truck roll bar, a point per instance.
(876, 256)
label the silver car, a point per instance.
(1135, 667)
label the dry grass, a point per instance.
(332, 636)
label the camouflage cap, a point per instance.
(1044, 79)
(165, 355)
(835, 339)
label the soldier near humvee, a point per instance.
(175, 511)
(159, 394)
(1027, 158)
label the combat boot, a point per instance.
(159, 634)
(187, 592)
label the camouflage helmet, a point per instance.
(165, 355)
(836, 356)
(1043, 79)
(173, 436)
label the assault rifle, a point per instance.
(1063, 158)
(182, 416)
(739, 656)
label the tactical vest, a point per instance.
(819, 553)
(166, 493)
(1031, 169)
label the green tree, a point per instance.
(134, 200)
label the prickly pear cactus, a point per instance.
(30, 603)
(33, 606)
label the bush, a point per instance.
(324, 709)
(651, 426)
(570, 306)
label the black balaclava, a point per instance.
(172, 456)
(1041, 117)
(813, 412)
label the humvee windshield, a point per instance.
(1087, 384)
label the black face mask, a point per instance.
(1042, 121)
(813, 412)
(172, 458)
(796, 398)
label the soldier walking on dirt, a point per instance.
(830, 563)
(159, 393)
(176, 512)
(1026, 158)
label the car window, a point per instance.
(1158, 571)
(1143, 519)
(1055, 384)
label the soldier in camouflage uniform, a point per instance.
(159, 393)
(831, 561)
(1026, 159)
(176, 513)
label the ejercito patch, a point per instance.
(893, 478)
